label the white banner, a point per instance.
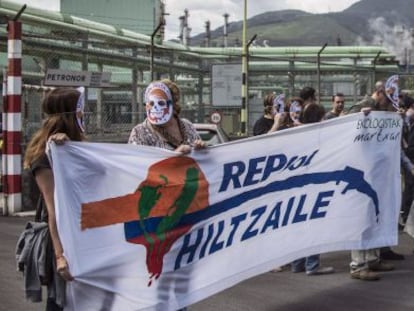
(145, 229)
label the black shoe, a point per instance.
(390, 255)
(401, 222)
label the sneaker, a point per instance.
(277, 269)
(320, 271)
(390, 255)
(365, 275)
(381, 266)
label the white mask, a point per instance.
(159, 110)
(295, 109)
(392, 90)
(159, 104)
(279, 104)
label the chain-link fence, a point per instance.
(114, 109)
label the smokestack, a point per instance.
(187, 36)
(226, 24)
(187, 30)
(181, 34)
(208, 34)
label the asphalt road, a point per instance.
(283, 291)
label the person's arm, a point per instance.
(195, 140)
(410, 145)
(407, 164)
(277, 122)
(44, 179)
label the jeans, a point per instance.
(361, 258)
(306, 264)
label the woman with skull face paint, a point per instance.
(163, 127)
(64, 121)
(289, 117)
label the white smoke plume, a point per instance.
(397, 40)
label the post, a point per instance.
(201, 111)
(99, 105)
(243, 112)
(12, 180)
(85, 61)
(140, 94)
(319, 72)
(3, 149)
(134, 90)
(375, 67)
(152, 49)
(247, 79)
(356, 81)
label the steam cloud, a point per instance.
(397, 39)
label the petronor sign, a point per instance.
(58, 77)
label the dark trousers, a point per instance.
(408, 194)
(52, 306)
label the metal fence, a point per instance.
(112, 111)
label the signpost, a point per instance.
(226, 83)
(215, 117)
(93, 79)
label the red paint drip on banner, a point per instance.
(158, 248)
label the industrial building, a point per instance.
(80, 39)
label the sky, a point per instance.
(201, 11)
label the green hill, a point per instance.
(298, 28)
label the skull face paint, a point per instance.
(295, 109)
(159, 106)
(159, 111)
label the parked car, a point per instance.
(212, 134)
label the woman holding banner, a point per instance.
(64, 109)
(164, 128)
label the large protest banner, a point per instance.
(145, 229)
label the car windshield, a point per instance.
(211, 137)
(211, 133)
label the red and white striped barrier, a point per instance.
(12, 134)
(3, 210)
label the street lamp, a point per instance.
(152, 48)
(375, 65)
(319, 72)
(243, 112)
